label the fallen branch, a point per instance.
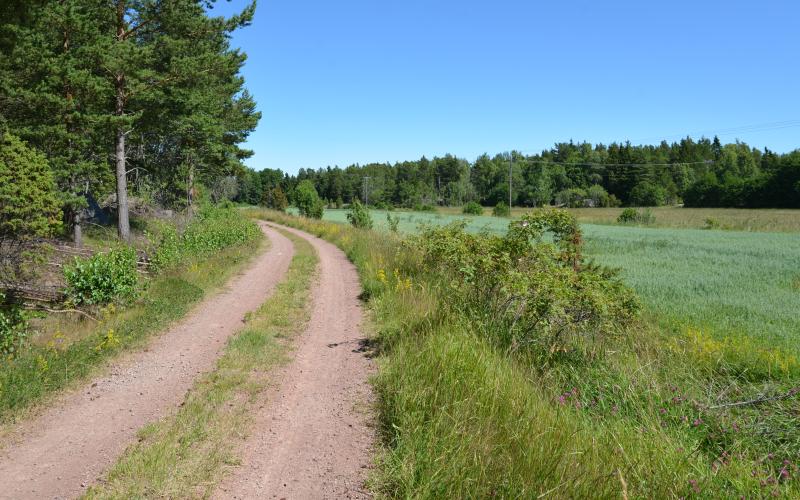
(65, 311)
(764, 399)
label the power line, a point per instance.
(755, 127)
(596, 164)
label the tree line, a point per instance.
(124, 98)
(698, 173)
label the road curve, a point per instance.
(65, 449)
(312, 438)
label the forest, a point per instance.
(126, 104)
(702, 173)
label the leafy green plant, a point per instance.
(382, 205)
(424, 207)
(501, 210)
(472, 208)
(636, 216)
(359, 216)
(711, 223)
(393, 222)
(213, 229)
(102, 278)
(13, 330)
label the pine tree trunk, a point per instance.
(123, 224)
(77, 231)
(190, 190)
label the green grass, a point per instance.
(462, 418)
(184, 455)
(724, 282)
(72, 349)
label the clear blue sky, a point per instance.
(340, 82)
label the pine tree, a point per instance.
(52, 96)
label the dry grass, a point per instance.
(739, 219)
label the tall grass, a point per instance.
(652, 418)
(725, 283)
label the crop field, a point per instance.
(725, 283)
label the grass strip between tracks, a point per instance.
(186, 454)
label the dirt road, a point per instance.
(312, 438)
(66, 448)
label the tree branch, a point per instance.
(763, 399)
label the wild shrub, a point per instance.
(102, 278)
(636, 216)
(711, 223)
(393, 222)
(472, 208)
(532, 295)
(213, 229)
(424, 207)
(359, 216)
(501, 210)
(13, 329)
(572, 197)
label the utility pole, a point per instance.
(366, 190)
(510, 173)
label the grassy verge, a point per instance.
(184, 455)
(656, 416)
(725, 284)
(62, 359)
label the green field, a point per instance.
(724, 282)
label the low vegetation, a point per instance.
(48, 353)
(102, 278)
(501, 210)
(213, 229)
(472, 208)
(186, 454)
(469, 408)
(359, 216)
(643, 217)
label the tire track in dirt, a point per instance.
(312, 438)
(66, 448)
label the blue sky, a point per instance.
(340, 82)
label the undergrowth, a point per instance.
(645, 412)
(80, 346)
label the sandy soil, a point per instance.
(312, 438)
(63, 450)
